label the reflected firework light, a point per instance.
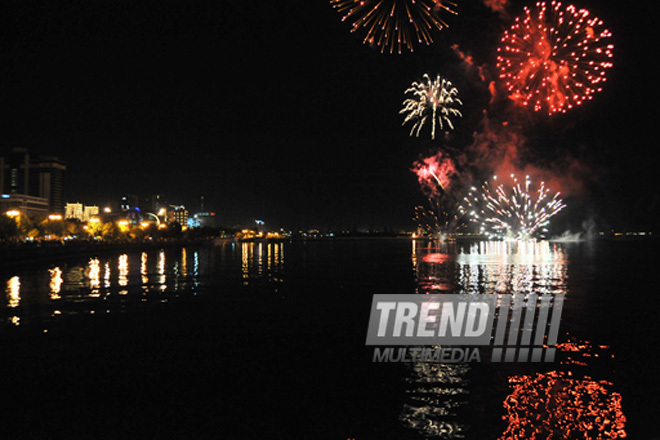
(554, 57)
(433, 102)
(512, 211)
(555, 405)
(395, 24)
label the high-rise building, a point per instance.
(47, 181)
(15, 172)
(33, 185)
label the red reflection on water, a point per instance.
(435, 258)
(555, 405)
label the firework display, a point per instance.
(434, 173)
(395, 24)
(427, 221)
(554, 57)
(432, 102)
(434, 223)
(512, 211)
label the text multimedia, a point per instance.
(425, 354)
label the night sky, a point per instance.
(274, 110)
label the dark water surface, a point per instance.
(266, 341)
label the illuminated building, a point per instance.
(33, 185)
(180, 215)
(205, 219)
(47, 181)
(89, 212)
(28, 205)
(74, 211)
(80, 212)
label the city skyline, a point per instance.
(280, 112)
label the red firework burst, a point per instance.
(434, 173)
(554, 58)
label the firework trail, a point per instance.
(433, 100)
(395, 24)
(434, 174)
(512, 211)
(554, 58)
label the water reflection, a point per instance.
(435, 393)
(13, 291)
(94, 276)
(123, 272)
(113, 282)
(55, 284)
(564, 402)
(490, 267)
(67, 289)
(262, 261)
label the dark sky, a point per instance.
(274, 110)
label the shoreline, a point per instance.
(33, 253)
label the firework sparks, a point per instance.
(434, 224)
(554, 58)
(512, 211)
(434, 173)
(431, 100)
(395, 24)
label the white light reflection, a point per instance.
(94, 275)
(106, 276)
(161, 271)
(55, 284)
(490, 267)
(144, 274)
(123, 273)
(13, 291)
(512, 267)
(196, 268)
